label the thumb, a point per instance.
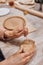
(25, 31)
(20, 50)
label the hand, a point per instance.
(1, 33)
(19, 58)
(6, 35)
(16, 34)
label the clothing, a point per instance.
(1, 56)
(39, 1)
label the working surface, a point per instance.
(9, 48)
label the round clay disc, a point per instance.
(28, 45)
(14, 23)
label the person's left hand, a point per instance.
(16, 34)
(7, 34)
(19, 58)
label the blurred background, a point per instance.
(39, 5)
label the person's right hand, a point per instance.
(19, 58)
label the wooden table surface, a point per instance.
(8, 48)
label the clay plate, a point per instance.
(28, 45)
(14, 23)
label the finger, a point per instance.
(9, 33)
(20, 29)
(20, 50)
(19, 34)
(12, 34)
(27, 59)
(23, 55)
(25, 31)
(27, 53)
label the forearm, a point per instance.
(0, 63)
(3, 62)
(7, 62)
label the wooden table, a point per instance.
(8, 48)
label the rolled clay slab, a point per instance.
(14, 23)
(17, 22)
(28, 45)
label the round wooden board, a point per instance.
(13, 23)
(28, 45)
